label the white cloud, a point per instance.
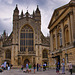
(9, 1)
(6, 11)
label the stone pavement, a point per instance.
(19, 72)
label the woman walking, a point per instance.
(63, 67)
(34, 67)
(70, 68)
(30, 67)
(57, 68)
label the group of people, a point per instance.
(5, 66)
(29, 66)
(44, 66)
(63, 67)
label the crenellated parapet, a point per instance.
(36, 14)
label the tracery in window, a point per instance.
(26, 38)
(8, 54)
(45, 54)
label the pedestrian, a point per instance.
(30, 67)
(57, 68)
(34, 67)
(70, 67)
(11, 66)
(8, 67)
(22, 67)
(5, 65)
(63, 67)
(43, 67)
(27, 66)
(37, 66)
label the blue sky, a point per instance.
(46, 7)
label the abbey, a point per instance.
(26, 43)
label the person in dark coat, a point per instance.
(57, 67)
(34, 67)
(37, 66)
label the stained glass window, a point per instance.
(26, 38)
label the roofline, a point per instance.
(54, 13)
(67, 5)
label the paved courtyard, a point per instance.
(19, 72)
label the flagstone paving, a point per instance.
(19, 72)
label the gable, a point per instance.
(57, 13)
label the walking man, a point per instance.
(70, 67)
(37, 66)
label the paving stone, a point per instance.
(19, 72)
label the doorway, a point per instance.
(58, 60)
(25, 62)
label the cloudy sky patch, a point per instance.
(46, 7)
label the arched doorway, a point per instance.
(8, 56)
(25, 62)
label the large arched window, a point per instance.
(67, 35)
(45, 54)
(26, 38)
(8, 54)
(59, 38)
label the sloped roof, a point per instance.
(44, 40)
(62, 9)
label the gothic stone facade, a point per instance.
(62, 34)
(26, 43)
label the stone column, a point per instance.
(72, 25)
(32, 60)
(63, 36)
(73, 14)
(69, 27)
(56, 37)
(51, 41)
(12, 56)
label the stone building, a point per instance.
(62, 34)
(26, 43)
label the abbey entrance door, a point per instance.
(25, 62)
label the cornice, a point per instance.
(67, 6)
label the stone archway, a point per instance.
(25, 62)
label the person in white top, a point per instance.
(70, 67)
(5, 64)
